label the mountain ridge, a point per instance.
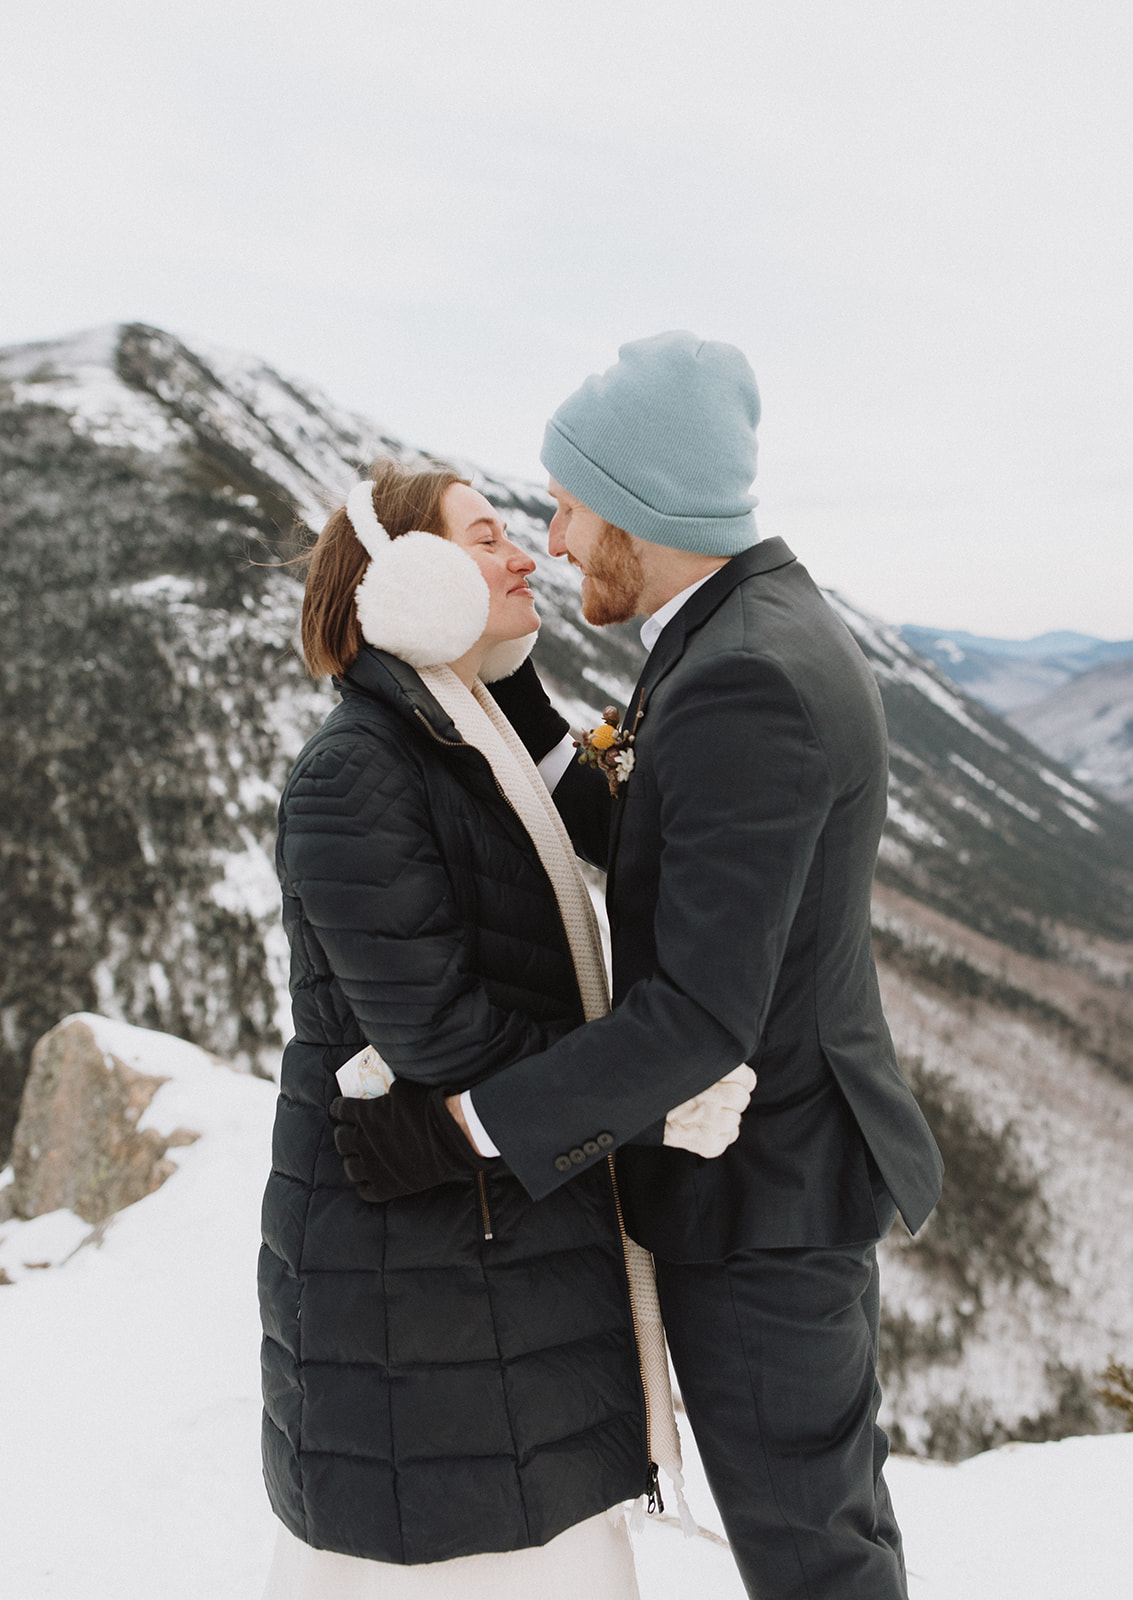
(1008, 674)
(153, 700)
(1059, 642)
(1087, 724)
(1066, 692)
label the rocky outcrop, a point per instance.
(78, 1146)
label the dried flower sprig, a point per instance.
(610, 748)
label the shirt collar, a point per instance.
(652, 626)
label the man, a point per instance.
(740, 850)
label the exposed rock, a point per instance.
(77, 1144)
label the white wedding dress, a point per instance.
(593, 1558)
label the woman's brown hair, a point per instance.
(404, 498)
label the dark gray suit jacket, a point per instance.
(741, 855)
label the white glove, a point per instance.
(709, 1122)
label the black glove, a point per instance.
(402, 1142)
(523, 701)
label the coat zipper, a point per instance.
(654, 1501)
(457, 744)
(453, 744)
(485, 1214)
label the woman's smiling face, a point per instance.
(474, 524)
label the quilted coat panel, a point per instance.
(429, 1392)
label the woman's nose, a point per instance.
(521, 561)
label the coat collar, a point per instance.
(387, 678)
(766, 556)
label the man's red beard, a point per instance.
(615, 579)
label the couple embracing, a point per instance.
(464, 1372)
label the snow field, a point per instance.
(129, 1393)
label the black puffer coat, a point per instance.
(428, 1392)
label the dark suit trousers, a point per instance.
(776, 1354)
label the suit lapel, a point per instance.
(766, 556)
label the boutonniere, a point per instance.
(610, 748)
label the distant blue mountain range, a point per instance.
(1006, 674)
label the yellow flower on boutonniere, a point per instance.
(610, 748)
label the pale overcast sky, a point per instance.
(915, 218)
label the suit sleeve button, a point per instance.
(590, 1147)
(605, 1140)
(563, 1163)
(578, 1156)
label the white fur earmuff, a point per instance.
(507, 657)
(421, 597)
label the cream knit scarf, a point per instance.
(482, 724)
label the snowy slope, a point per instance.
(1088, 726)
(153, 699)
(129, 1392)
(982, 825)
(152, 702)
(136, 387)
(1000, 1315)
(1007, 674)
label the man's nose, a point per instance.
(556, 541)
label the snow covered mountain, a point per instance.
(981, 824)
(152, 699)
(1070, 694)
(1008, 673)
(1087, 724)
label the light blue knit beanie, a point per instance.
(663, 444)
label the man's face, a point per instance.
(613, 577)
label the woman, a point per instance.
(453, 1374)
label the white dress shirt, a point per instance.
(651, 627)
